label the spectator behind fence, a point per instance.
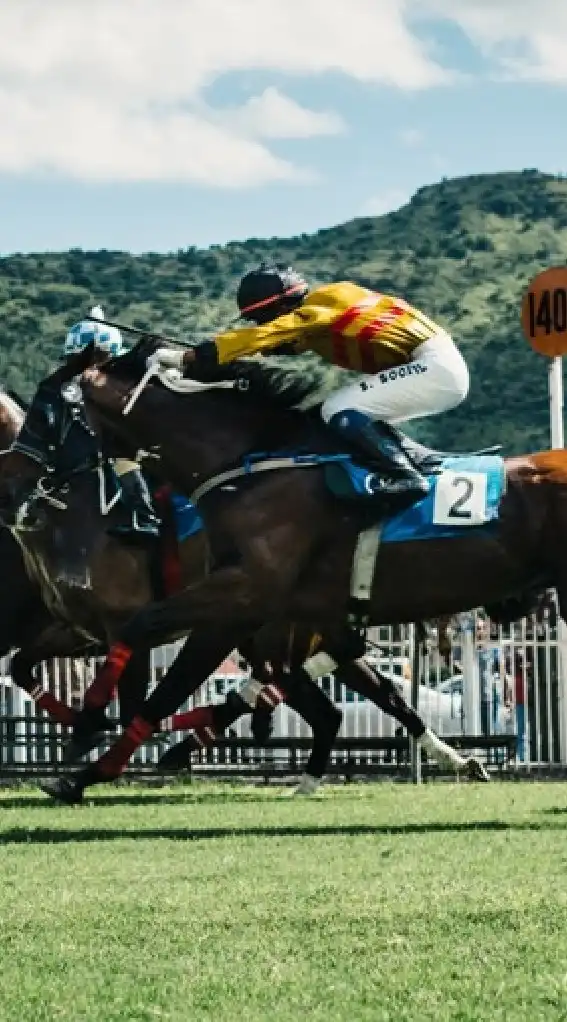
(494, 691)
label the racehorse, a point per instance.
(289, 544)
(30, 627)
(287, 550)
(312, 704)
(277, 537)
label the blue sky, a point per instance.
(158, 124)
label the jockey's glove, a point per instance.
(198, 357)
(167, 358)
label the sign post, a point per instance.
(544, 322)
(555, 375)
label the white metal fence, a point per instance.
(499, 680)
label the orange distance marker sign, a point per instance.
(544, 312)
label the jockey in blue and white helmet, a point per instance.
(108, 341)
(106, 338)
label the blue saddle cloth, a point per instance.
(465, 496)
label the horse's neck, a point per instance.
(216, 429)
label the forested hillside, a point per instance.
(463, 250)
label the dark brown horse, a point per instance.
(288, 545)
(286, 551)
(203, 652)
(29, 625)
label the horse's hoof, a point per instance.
(475, 770)
(63, 789)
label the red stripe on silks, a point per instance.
(100, 693)
(170, 555)
(57, 710)
(193, 720)
(340, 343)
(114, 761)
(349, 315)
(368, 334)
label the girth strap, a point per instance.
(263, 465)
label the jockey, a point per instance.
(135, 494)
(410, 366)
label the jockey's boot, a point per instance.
(396, 475)
(136, 496)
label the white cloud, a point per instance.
(411, 137)
(384, 202)
(113, 90)
(273, 115)
(91, 143)
(526, 38)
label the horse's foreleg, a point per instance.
(21, 671)
(324, 719)
(380, 690)
(197, 659)
(134, 686)
(91, 723)
(209, 722)
(153, 623)
(56, 639)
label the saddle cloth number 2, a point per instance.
(460, 498)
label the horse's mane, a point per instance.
(283, 425)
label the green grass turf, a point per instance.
(376, 902)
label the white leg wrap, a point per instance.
(250, 692)
(319, 664)
(439, 750)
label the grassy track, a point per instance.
(210, 902)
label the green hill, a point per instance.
(463, 251)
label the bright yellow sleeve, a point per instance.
(295, 327)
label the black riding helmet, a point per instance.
(269, 292)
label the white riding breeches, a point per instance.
(436, 380)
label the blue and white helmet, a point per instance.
(106, 338)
